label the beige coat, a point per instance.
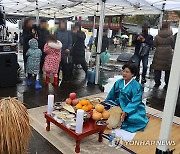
(163, 55)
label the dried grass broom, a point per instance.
(15, 130)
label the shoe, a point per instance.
(55, 83)
(28, 82)
(37, 85)
(47, 80)
(143, 80)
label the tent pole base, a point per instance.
(158, 151)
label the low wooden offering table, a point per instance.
(89, 128)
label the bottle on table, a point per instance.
(112, 136)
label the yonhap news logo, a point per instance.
(148, 143)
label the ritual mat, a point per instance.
(65, 143)
(143, 142)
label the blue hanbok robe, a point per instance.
(129, 98)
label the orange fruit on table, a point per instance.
(90, 106)
(97, 116)
(84, 102)
(85, 108)
(105, 114)
(99, 108)
(79, 106)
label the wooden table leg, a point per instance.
(100, 139)
(77, 148)
(48, 125)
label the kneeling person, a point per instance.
(127, 93)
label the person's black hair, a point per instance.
(146, 25)
(43, 20)
(77, 24)
(62, 21)
(26, 21)
(52, 37)
(132, 67)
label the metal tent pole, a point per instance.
(160, 20)
(94, 24)
(100, 35)
(170, 102)
(161, 16)
(37, 13)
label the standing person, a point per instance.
(78, 49)
(15, 37)
(10, 38)
(116, 42)
(90, 43)
(33, 62)
(42, 39)
(162, 60)
(28, 33)
(65, 38)
(143, 43)
(105, 42)
(52, 60)
(124, 42)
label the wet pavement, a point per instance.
(32, 98)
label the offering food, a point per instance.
(99, 108)
(72, 100)
(69, 108)
(72, 95)
(97, 116)
(55, 112)
(75, 101)
(105, 114)
(68, 101)
(70, 116)
(100, 113)
(61, 116)
(85, 105)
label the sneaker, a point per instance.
(143, 80)
(37, 85)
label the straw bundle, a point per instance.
(15, 130)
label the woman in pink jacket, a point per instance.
(52, 60)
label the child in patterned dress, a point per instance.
(33, 62)
(52, 60)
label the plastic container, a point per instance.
(91, 76)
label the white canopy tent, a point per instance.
(67, 8)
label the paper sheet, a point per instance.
(124, 135)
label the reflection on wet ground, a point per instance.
(153, 97)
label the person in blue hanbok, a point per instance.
(127, 93)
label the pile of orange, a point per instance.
(85, 105)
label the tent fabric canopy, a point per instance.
(68, 8)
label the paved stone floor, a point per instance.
(34, 98)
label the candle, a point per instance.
(79, 121)
(50, 103)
